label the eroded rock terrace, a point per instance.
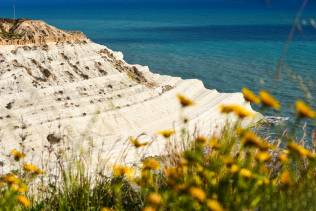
(57, 91)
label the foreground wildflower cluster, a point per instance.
(14, 185)
(236, 170)
(240, 170)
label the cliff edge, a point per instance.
(25, 31)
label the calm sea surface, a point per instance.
(227, 49)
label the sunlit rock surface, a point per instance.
(62, 94)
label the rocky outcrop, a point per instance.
(25, 32)
(75, 97)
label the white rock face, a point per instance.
(84, 96)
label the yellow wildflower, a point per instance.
(136, 143)
(269, 101)
(11, 179)
(304, 111)
(201, 139)
(263, 156)
(266, 181)
(22, 188)
(199, 168)
(259, 182)
(283, 158)
(106, 209)
(251, 139)
(180, 187)
(149, 209)
(234, 169)
(226, 109)
(197, 193)
(242, 112)
(183, 162)
(264, 169)
(24, 201)
(311, 155)
(263, 181)
(228, 161)
(14, 187)
(151, 164)
(245, 173)
(155, 199)
(184, 101)
(214, 205)
(171, 172)
(17, 155)
(209, 174)
(32, 169)
(299, 150)
(238, 110)
(214, 143)
(197, 180)
(250, 96)
(39, 171)
(166, 133)
(120, 171)
(285, 178)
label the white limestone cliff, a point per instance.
(58, 91)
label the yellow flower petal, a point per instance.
(299, 150)
(252, 140)
(197, 193)
(22, 188)
(32, 168)
(304, 111)
(184, 101)
(151, 164)
(214, 144)
(106, 209)
(155, 199)
(245, 173)
(263, 156)
(11, 179)
(166, 133)
(269, 101)
(285, 178)
(17, 155)
(120, 171)
(234, 169)
(201, 140)
(283, 158)
(24, 201)
(136, 143)
(149, 209)
(214, 205)
(250, 96)
(238, 110)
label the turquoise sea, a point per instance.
(226, 48)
